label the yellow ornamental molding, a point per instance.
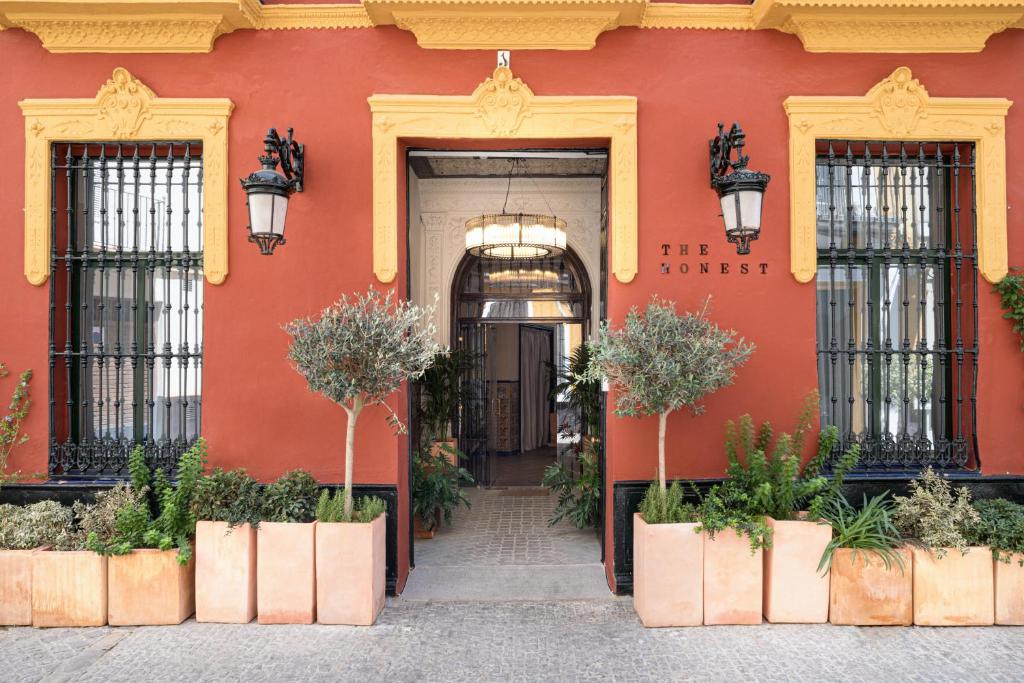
(296, 16)
(698, 16)
(899, 108)
(906, 26)
(125, 109)
(503, 108)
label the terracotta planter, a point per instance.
(225, 573)
(449, 454)
(69, 589)
(420, 532)
(865, 593)
(148, 587)
(732, 580)
(350, 572)
(795, 592)
(1009, 591)
(286, 573)
(668, 573)
(16, 587)
(957, 590)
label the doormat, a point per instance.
(525, 491)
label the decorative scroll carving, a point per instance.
(502, 101)
(125, 109)
(899, 108)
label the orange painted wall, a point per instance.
(257, 411)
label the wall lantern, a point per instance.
(267, 190)
(740, 191)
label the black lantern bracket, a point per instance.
(290, 156)
(731, 179)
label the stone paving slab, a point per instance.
(557, 641)
(534, 582)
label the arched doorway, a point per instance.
(519, 321)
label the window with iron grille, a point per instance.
(126, 304)
(897, 292)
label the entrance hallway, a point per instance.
(522, 469)
(502, 549)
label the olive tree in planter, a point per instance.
(357, 353)
(660, 362)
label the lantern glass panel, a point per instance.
(267, 213)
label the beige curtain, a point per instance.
(534, 385)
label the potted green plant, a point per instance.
(579, 495)
(1001, 527)
(24, 531)
(869, 567)
(227, 506)
(953, 581)
(582, 391)
(357, 353)
(734, 544)
(790, 496)
(286, 551)
(440, 396)
(436, 492)
(660, 362)
(151, 570)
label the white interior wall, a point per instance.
(440, 207)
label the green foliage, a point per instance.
(437, 488)
(663, 361)
(230, 496)
(1000, 526)
(30, 526)
(771, 476)
(582, 390)
(868, 531)
(441, 393)
(358, 352)
(99, 518)
(292, 498)
(174, 526)
(331, 509)
(579, 497)
(933, 517)
(1011, 296)
(666, 507)
(726, 506)
(10, 425)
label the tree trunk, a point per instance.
(350, 445)
(662, 422)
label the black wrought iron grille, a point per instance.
(126, 304)
(897, 301)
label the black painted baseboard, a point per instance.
(627, 496)
(69, 493)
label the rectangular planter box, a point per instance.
(286, 573)
(668, 573)
(795, 592)
(957, 590)
(16, 587)
(225, 573)
(865, 593)
(69, 589)
(148, 587)
(350, 572)
(732, 580)
(1009, 591)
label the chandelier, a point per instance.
(515, 235)
(536, 279)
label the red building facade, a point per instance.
(257, 412)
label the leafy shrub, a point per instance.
(579, 497)
(174, 524)
(292, 498)
(230, 496)
(666, 507)
(1011, 296)
(726, 506)
(867, 531)
(99, 518)
(933, 517)
(10, 425)
(1000, 526)
(437, 488)
(331, 509)
(771, 476)
(30, 526)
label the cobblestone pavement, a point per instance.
(508, 527)
(554, 641)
